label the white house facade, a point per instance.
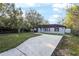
(51, 28)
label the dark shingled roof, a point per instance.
(50, 25)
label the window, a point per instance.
(46, 29)
(56, 29)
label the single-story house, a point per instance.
(51, 28)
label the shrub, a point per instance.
(75, 32)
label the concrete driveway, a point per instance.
(43, 45)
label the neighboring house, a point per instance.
(51, 28)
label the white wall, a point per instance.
(61, 30)
(51, 30)
(68, 30)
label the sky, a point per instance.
(53, 12)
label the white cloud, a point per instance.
(39, 1)
(30, 4)
(62, 5)
(24, 4)
(55, 16)
(32, 1)
(53, 19)
(59, 5)
(55, 9)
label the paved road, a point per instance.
(42, 45)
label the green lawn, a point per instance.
(69, 45)
(8, 41)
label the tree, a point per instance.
(34, 18)
(69, 21)
(16, 18)
(72, 17)
(11, 17)
(7, 11)
(19, 20)
(2, 11)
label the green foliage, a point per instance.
(72, 17)
(34, 18)
(71, 43)
(69, 21)
(12, 17)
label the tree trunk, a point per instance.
(19, 30)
